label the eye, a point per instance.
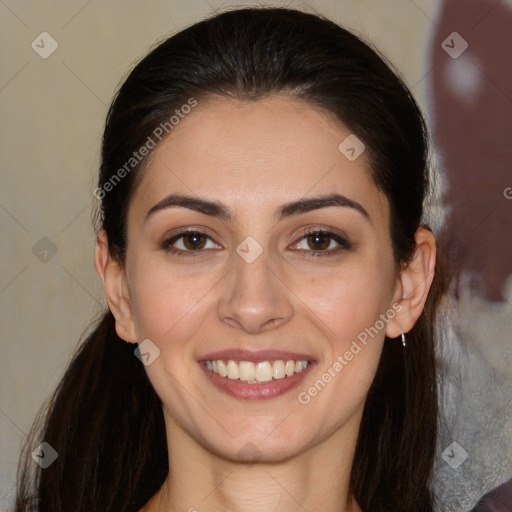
(313, 243)
(319, 242)
(188, 243)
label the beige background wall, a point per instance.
(52, 114)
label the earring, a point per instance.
(403, 339)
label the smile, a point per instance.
(254, 373)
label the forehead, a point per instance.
(250, 154)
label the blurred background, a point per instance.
(61, 64)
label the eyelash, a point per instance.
(343, 243)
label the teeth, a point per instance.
(278, 369)
(223, 371)
(232, 370)
(264, 371)
(247, 371)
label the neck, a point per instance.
(316, 479)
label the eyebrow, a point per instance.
(221, 211)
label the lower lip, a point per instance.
(261, 391)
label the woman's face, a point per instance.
(251, 286)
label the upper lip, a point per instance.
(255, 355)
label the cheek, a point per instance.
(348, 299)
(346, 311)
(348, 304)
(165, 302)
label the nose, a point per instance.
(254, 297)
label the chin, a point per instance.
(254, 445)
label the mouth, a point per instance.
(256, 375)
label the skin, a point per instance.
(254, 157)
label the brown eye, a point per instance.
(193, 241)
(322, 243)
(318, 241)
(189, 243)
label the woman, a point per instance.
(271, 284)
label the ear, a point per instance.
(413, 285)
(115, 285)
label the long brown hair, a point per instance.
(105, 420)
